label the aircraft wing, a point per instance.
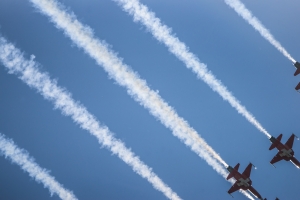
(297, 72)
(276, 158)
(254, 192)
(295, 162)
(247, 171)
(297, 87)
(234, 188)
(290, 141)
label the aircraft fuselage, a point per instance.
(286, 152)
(242, 180)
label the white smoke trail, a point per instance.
(27, 71)
(137, 88)
(163, 34)
(240, 8)
(27, 163)
(83, 37)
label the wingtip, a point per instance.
(273, 165)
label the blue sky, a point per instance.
(257, 74)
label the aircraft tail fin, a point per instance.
(232, 173)
(274, 144)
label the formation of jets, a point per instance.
(285, 152)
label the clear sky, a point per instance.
(256, 73)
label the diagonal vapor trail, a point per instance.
(137, 88)
(22, 158)
(163, 33)
(28, 72)
(83, 37)
(246, 14)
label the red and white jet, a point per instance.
(285, 151)
(243, 180)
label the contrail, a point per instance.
(136, 87)
(84, 38)
(162, 33)
(241, 9)
(27, 163)
(28, 72)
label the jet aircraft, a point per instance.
(285, 151)
(243, 180)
